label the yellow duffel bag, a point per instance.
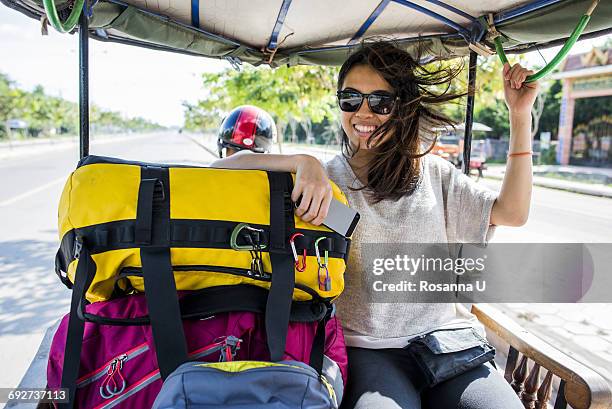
(215, 227)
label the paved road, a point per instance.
(560, 217)
(31, 298)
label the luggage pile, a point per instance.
(195, 287)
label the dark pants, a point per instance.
(390, 379)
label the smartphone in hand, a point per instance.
(340, 218)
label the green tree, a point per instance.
(549, 122)
(304, 94)
(38, 111)
(490, 108)
(202, 116)
(47, 114)
(6, 102)
(496, 117)
(489, 105)
(588, 108)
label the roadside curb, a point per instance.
(561, 185)
(201, 145)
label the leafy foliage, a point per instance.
(490, 107)
(549, 156)
(48, 115)
(303, 94)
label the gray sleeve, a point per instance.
(468, 209)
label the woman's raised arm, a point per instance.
(311, 181)
(512, 205)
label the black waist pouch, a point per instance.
(444, 354)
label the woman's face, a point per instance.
(359, 125)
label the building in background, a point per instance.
(585, 118)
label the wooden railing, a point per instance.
(533, 366)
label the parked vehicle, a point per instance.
(478, 157)
(447, 147)
(450, 147)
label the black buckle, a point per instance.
(331, 311)
(78, 246)
(159, 194)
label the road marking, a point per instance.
(32, 192)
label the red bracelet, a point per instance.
(520, 154)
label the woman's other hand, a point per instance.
(312, 185)
(520, 95)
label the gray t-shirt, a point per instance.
(446, 207)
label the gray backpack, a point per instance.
(241, 384)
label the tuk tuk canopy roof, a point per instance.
(324, 32)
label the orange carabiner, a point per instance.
(298, 266)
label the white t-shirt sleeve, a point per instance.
(468, 209)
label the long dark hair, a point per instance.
(393, 170)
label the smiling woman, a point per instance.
(397, 119)
(405, 195)
(356, 117)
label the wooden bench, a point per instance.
(533, 367)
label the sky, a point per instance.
(132, 80)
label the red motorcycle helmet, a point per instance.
(247, 127)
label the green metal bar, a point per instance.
(584, 20)
(70, 22)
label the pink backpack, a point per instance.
(118, 363)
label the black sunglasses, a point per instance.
(380, 102)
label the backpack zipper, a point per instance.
(136, 387)
(114, 385)
(243, 272)
(126, 272)
(100, 372)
